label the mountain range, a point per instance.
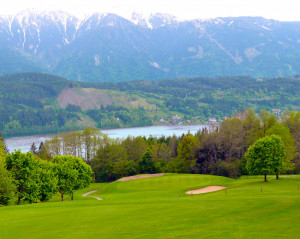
(105, 47)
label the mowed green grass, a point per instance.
(159, 208)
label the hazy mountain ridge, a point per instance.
(107, 47)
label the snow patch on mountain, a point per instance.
(97, 19)
(32, 26)
(155, 64)
(97, 60)
(5, 25)
(101, 16)
(141, 20)
(266, 28)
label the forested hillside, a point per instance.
(34, 103)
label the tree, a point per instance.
(53, 146)
(289, 148)
(47, 181)
(136, 147)
(66, 174)
(2, 152)
(267, 120)
(178, 165)
(265, 156)
(73, 174)
(207, 153)
(84, 173)
(2, 141)
(251, 126)
(292, 121)
(33, 149)
(92, 140)
(187, 149)
(173, 144)
(231, 136)
(43, 152)
(160, 155)
(145, 164)
(24, 169)
(72, 144)
(125, 168)
(82, 144)
(107, 156)
(7, 188)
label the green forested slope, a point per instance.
(29, 101)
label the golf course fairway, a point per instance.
(158, 207)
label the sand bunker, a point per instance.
(206, 190)
(86, 195)
(140, 176)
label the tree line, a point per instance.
(245, 144)
(219, 151)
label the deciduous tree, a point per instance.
(72, 173)
(7, 188)
(66, 174)
(267, 120)
(145, 164)
(85, 173)
(289, 148)
(265, 156)
(24, 169)
(47, 181)
(187, 151)
(33, 149)
(292, 121)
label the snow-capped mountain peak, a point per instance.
(61, 43)
(141, 20)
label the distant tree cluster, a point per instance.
(30, 179)
(221, 151)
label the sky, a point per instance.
(284, 10)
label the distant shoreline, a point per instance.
(102, 129)
(24, 142)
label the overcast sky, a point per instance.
(286, 10)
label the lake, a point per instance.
(24, 143)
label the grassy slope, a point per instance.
(152, 208)
(90, 98)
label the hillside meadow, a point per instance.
(159, 208)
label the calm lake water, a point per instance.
(24, 143)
